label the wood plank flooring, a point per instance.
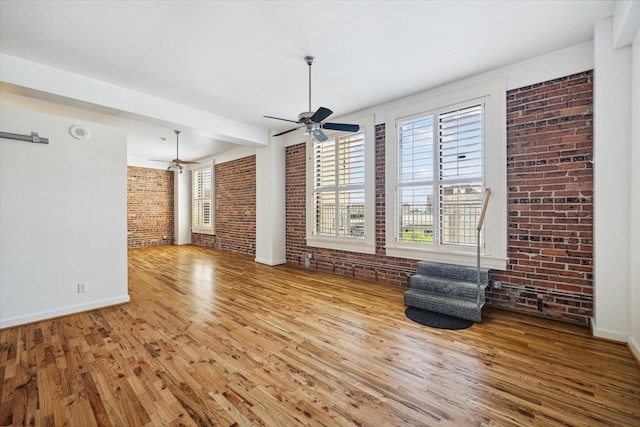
(211, 338)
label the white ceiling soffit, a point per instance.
(233, 62)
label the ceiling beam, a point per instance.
(626, 23)
(52, 84)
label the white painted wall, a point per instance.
(270, 203)
(612, 192)
(62, 218)
(634, 339)
(182, 207)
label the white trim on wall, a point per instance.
(612, 191)
(50, 314)
(367, 244)
(634, 301)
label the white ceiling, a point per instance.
(244, 59)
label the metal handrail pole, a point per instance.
(478, 259)
(480, 221)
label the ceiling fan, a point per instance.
(177, 163)
(313, 122)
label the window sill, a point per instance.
(359, 247)
(464, 258)
(208, 231)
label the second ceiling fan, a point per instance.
(177, 163)
(313, 121)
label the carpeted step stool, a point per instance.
(448, 289)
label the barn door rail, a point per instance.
(34, 137)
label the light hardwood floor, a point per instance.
(211, 338)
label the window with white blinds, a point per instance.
(339, 187)
(442, 152)
(460, 166)
(440, 176)
(202, 210)
(341, 190)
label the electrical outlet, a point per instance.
(82, 287)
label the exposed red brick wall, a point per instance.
(204, 240)
(235, 208)
(295, 205)
(550, 181)
(549, 137)
(150, 217)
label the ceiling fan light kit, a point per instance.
(175, 167)
(311, 121)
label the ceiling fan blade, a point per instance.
(185, 162)
(287, 131)
(341, 126)
(320, 136)
(321, 114)
(278, 118)
(163, 161)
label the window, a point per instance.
(341, 211)
(441, 155)
(202, 210)
(443, 160)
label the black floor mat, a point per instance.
(436, 320)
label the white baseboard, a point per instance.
(270, 261)
(35, 317)
(608, 335)
(634, 346)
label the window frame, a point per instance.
(361, 245)
(196, 228)
(494, 247)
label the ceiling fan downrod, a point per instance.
(176, 162)
(177, 133)
(309, 60)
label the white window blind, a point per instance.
(415, 180)
(460, 148)
(202, 193)
(339, 187)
